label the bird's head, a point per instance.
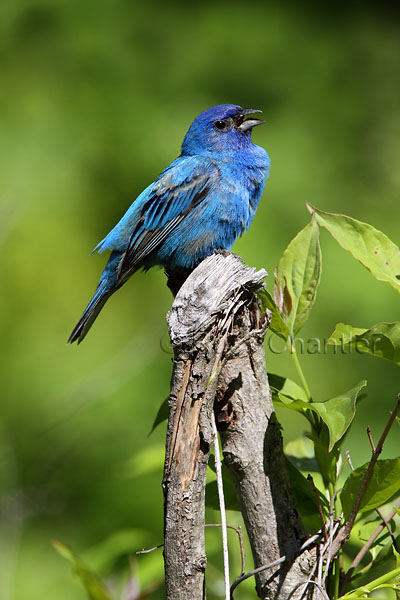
(221, 129)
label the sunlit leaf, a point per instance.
(300, 447)
(338, 412)
(277, 324)
(372, 585)
(396, 550)
(386, 552)
(301, 454)
(92, 584)
(382, 340)
(366, 530)
(278, 295)
(327, 460)
(282, 387)
(384, 483)
(372, 248)
(298, 273)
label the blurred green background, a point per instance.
(95, 100)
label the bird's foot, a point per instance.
(176, 278)
(224, 252)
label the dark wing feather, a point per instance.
(173, 197)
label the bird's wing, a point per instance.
(176, 193)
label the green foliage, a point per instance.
(278, 324)
(285, 390)
(372, 248)
(375, 585)
(296, 281)
(336, 413)
(382, 339)
(297, 278)
(305, 498)
(384, 484)
(92, 584)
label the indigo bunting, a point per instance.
(201, 203)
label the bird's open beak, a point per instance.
(246, 125)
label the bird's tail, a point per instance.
(99, 299)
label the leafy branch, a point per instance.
(357, 560)
(296, 281)
(344, 532)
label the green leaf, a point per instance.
(371, 586)
(326, 460)
(287, 396)
(301, 454)
(382, 340)
(282, 297)
(344, 334)
(283, 388)
(162, 415)
(366, 529)
(385, 552)
(305, 500)
(92, 584)
(372, 248)
(381, 549)
(338, 412)
(277, 324)
(298, 274)
(384, 483)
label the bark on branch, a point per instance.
(217, 333)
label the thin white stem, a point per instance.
(218, 469)
(332, 531)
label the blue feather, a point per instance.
(202, 202)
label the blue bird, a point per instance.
(201, 203)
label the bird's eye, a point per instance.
(220, 124)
